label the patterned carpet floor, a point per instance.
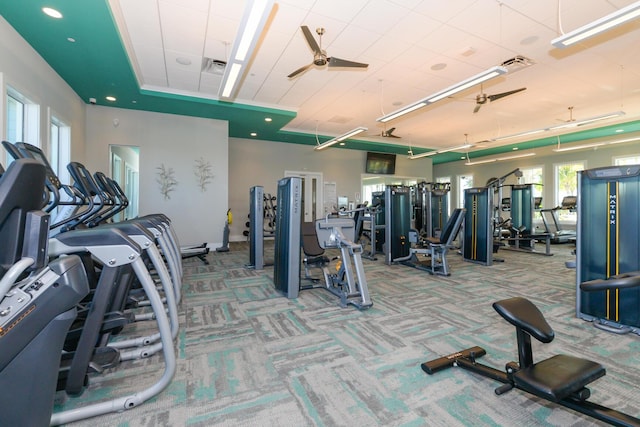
(247, 356)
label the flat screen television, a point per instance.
(381, 163)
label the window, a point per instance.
(59, 143)
(446, 179)
(15, 120)
(534, 175)
(464, 182)
(566, 184)
(373, 183)
(627, 160)
(22, 120)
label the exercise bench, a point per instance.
(561, 378)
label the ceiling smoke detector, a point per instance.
(213, 66)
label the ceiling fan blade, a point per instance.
(300, 70)
(337, 62)
(503, 94)
(313, 44)
(389, 133)
(477, 108)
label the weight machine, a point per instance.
(349, 282)
(431, 207)
(607, 246)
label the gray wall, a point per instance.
(255, 162)
(175, 142)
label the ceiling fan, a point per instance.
(482, 97)
(320, 57)
(389, 133)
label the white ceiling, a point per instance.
(402, 41)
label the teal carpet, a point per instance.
(250, 357)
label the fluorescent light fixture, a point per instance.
(253, 21)
(598, 26)
(587, 121)
(459, 147)
(340, 138)
(232, 77)
(515, 135)
(421, 155)
(562, 126)
(498, 159)
(444, 150)
(466, 84)
(401, 112)
(458, 87)
(593, 144)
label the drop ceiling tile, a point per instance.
(380, 16)
(339, 9)
(199, 5)
(142, 22)
(152, 66)
(228, 9)
(183, 29)
(183, 79)
(443, 11)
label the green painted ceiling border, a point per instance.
(584, 135)
(97, 65)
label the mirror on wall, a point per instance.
(125, 161)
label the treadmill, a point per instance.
(552, 225)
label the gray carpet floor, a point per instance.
(247, 356)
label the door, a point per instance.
(312, 202)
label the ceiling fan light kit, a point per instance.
(598, 26)
(458, 87)
(340, 138)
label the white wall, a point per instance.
(24, 70)
(177, 142)
(256, 162)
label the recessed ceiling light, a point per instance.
(183, 61)
(134, 102)
(52, 12)
(619, 130)
(254, 134)
(439, 66)
(514, 148)
(71, 40)
(110, 98)
(342, 143)
(267, 119)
